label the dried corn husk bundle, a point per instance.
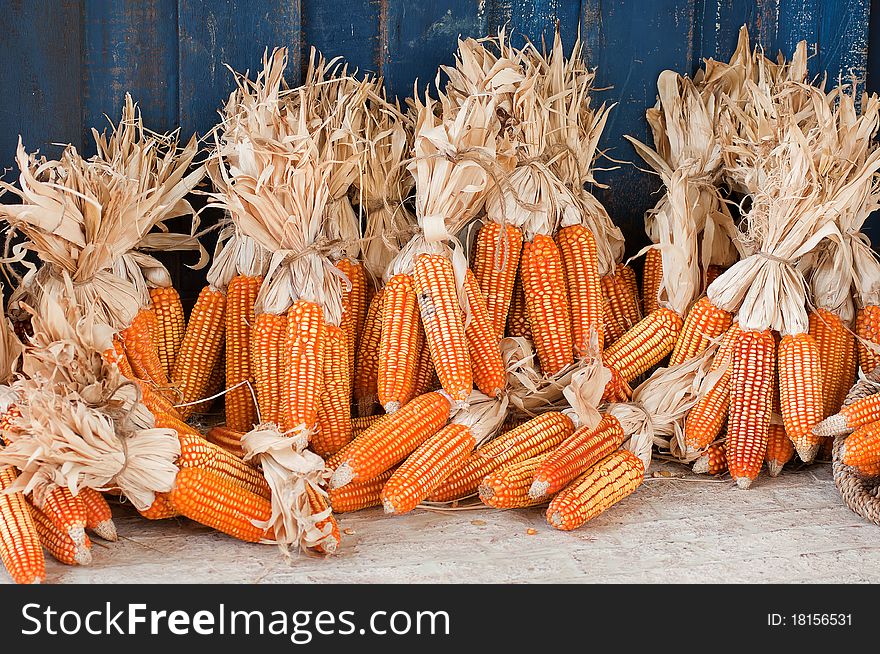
(483, 416)
(81, 423)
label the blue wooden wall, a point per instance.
(64, 64)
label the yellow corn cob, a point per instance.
(444, 324)
(354, 307)
(171, 324)
(645, 345)
(197, 452)
(334, 406)
(580, 264)
(514, 419)
(528, 440)
(201, 347)
(652, 276)
(837, 358)
(303, 366)
(426, 376)
(361, 424)
(59, 543)
(139, 340)
(160, 509)
(241, 413)
(482, 342)
(228, 439)
(366, 371)
(780, 449)
(318, 504)
(359, 494)
(713, 461)
(800, 392)
(67, 512)
(704, 324)
(579, 452)
(547, 305)
(426, 468)
(517, 317)
(213, 501)
(117, 356)
(20, 549)
(858, 413)
(598, 489)
(621, 303)
(861, 449)
(215, 384)
(389, 441)
(399, 343)
(751, 393)
(508, 486)
(868, 329)
(267, 353)
(99, 517)
(496, 260)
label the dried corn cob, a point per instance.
(851, 416)
(354, 307)
(621, 303)
(713, 272)
(201, 347)
(215, 384)
(58, 543)
(367, 365)
(361, 424)
(426, 376)
(426, 468)
(444, 324)
(359, 494)
(228, 439)
(139, 340)
(399, 343)
(579, 452)
(868, 329)
(303, 366)
(20, 549)
(517, 317)
(528, 440)
(67, 512)
(171, 324)
(160, 509)
(706, 419)
(241, 412)
(334, 408)
(800, 392)
(318, 504)
(496, 260)
(267, 354)
(704, 324)
(837, 358)
(861, 449)
(483, 342)
(751, 392)
(391, 440)
(713, 461)
(599, 488)
(547, 305)
(99, 517)
(652, 275)
(213, 501)
(780, 449)
(508, 486)
(580, 264)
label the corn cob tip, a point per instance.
(341, 476)
(744, 482)
(774, 468)
(832, 426)
(77, 534)
(538, 489)
(388, 506)
(486, 492)
(391, 407)
(807, 451)
(106, 530)
(556, 521)
(701, 465)
(83, 555)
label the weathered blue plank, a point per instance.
(843, 38)
(346, 28)
(718, 23)
(234, 32)
(129, 47)
(536, 19)
(416, 37)
(798, 21)
(40, 74)
(630, 44)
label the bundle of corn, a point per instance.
(457, 153)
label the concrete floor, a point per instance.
(692, 529)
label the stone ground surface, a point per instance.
(693, 529)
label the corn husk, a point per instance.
(290, 470)
(483, 415)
